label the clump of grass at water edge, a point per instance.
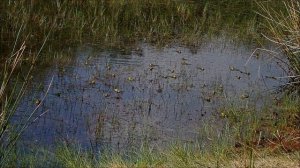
(248, 138)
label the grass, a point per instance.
(249, 138)
(12, 88)
(284, 29)
(121, 24)
(177, 156)
(9, 98)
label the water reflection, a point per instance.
(108, 99)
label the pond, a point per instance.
(116, 99)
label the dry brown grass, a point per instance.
(282, 161)
(284, 29)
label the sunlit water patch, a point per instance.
(110, 99)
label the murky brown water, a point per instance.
(109, 99)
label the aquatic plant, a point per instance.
(249, 138)
(115, 23)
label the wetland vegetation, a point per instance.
(154, 83)
(115, 23)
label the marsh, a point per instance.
(116, 76)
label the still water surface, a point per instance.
(111, 99)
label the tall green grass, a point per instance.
(107, 23)
(118, 22)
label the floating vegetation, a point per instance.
(117, 90)
(130, 78)
(147, 72)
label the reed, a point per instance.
(12, 88)
(119, 23)
(249, 138)
(284, 29)
(10, 96)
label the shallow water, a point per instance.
(110, 99)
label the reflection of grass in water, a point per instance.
(243, 141)
(114, 23)
(249, 138)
